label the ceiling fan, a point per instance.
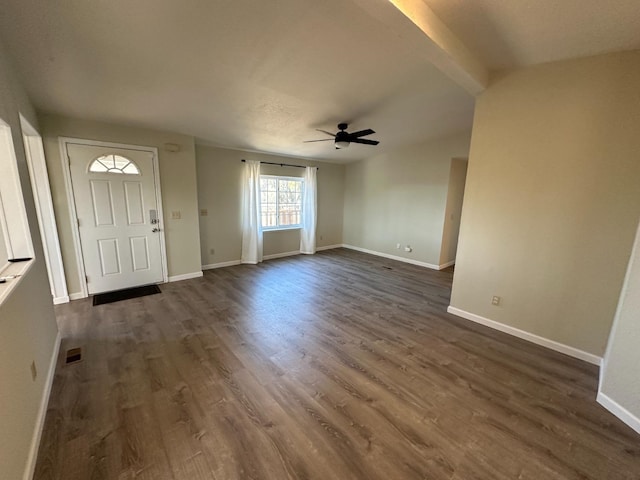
(343, 138)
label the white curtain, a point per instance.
(309, 212)
(251, 222)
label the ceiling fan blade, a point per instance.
(364, 141)
(361, 133)
(323, 140)
(324, 131)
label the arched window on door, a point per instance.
(114, 164)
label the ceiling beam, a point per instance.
(434, 39)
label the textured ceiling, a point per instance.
(515, 33)
(262, 75)
(240, 73)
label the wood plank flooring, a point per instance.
(334, 366)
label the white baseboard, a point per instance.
(446, 265)
(281, 255)
(531, 337)
(393, 257)
(231, 263)
(77, 296)
(329, 247)
(185, 276)
(619, 411)
(42, 412)
(59, 300)
(211, 266)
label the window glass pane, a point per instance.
(97, 167)
(14, 227)
(130, 169)
(281, 201)
(120, 162)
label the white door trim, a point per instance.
(64, 154)
(34, 153)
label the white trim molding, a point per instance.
(329, 247)
(281, 255)
(42, 412)
(185, 276)
(61, 300)
(77, 296)
(619, 411)
(211, 266)
(34, 153)
(393, 257)
(446, 265)
(232, 263)
(530, 337)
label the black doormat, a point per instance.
(125, 294)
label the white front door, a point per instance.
(117, 207)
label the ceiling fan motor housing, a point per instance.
(342, 139)
(342, 136)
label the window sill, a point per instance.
(279, 229)
(19, 270)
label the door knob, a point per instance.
(155, 230)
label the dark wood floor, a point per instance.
(334, 366)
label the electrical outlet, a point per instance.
(495, 300)
(204, 212)
(34, 371)
(408, 248)
(398, 246)
(320, 237)
(176, 215)
(212, 251)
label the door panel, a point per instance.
(109, 256)
(116, 203)
(134, 203)
(139, 253)
(102, 203)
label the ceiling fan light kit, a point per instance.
(343, 139)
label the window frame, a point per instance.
(14, 224)
(13, 213)
(279, 227)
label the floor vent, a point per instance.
(73, 355)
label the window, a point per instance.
(16, 237)
(114, 164)
(281, 202)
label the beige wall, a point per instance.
(552, 198)
(621, 368)
(220, 193)
(27, 324)
(177, 180)
(400, 197)
(453, 210)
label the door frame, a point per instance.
(75, 231)
(34, 152)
